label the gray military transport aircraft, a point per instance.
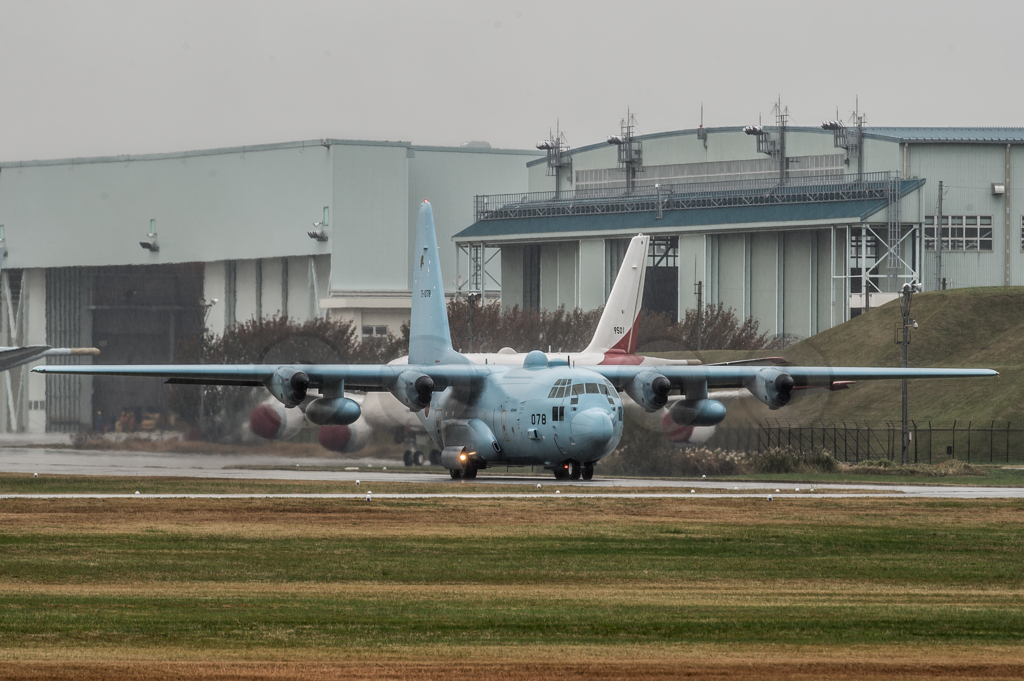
(542, 413)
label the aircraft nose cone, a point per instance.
(591, 425)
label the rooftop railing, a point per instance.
(686, 196)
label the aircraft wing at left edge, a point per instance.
(354, 376)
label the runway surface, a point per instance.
(227, 466)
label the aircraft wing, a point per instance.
(12, 357)
(367, 377)
(754, 360)
(724, 377)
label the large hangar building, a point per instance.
(799, 227)
(129, 253)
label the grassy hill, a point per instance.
(979, 327)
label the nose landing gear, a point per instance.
(573, 470)
(467, 473)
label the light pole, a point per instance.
(205, 306)
(472, 298)
(903, 338)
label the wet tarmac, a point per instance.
(45, 461)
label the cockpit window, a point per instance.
(591, 387)
(577, 389)
(603, 388)
(553, 393)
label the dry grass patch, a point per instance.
(557, 664)
(504, 517)
(637, 593)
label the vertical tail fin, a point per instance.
(430, 341)
(617, 327)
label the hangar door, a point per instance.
(144, 314)
(661, 287)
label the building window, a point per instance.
(971, 233)
(379, 331)
(663, 251)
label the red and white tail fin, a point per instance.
(617, 328)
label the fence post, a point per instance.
(846, 443)
(856, 442)
(1007, 442)
(931, 441)
(991, 441)
(915, 440)
(969, 441)
(953, 447)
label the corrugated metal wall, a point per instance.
(65, 288)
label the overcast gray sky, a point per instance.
(115, 77)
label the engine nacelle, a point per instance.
(333, 411)
(289, 386)
(455, 458)
(774, 388)
(697, 412)
(413, 389)
(474, 435)
(271, 421)
(650, 390)
(344, 439)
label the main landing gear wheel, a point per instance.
(469, 473)
(417, 458)
(561, 471)
(407, 457)
(435, 457)
(588, 471)
(456, 474)
(574, 470)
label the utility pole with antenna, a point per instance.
(699, 289)
(938, 242)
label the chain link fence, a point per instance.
(855, 441)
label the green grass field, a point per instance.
(102, 583)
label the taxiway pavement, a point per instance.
(44, 461)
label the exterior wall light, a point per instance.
(318, 233)
(150, 244)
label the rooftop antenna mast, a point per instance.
(773, 143)
(849, 137)
(631, 150)
(702, 134)
(559, 157)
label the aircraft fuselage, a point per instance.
(529, 417)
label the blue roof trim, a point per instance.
(645, 221)
(947, 135)
(635, 222)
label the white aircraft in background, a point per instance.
(11, 357)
